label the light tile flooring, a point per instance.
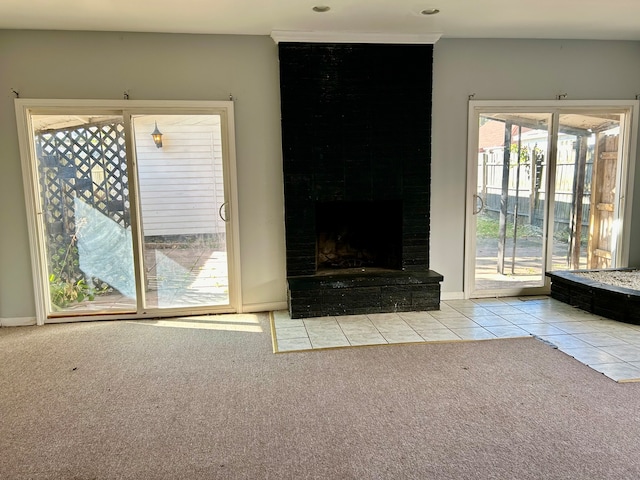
(607, 346)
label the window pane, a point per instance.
(585, 198)
(84, 194)
(182, 202)
(512, 164)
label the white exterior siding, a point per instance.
(181, 184)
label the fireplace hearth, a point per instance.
(356, 135)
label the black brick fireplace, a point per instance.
(356, 131)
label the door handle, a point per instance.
(478, 197)
(223, 206)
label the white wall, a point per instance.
(101, 65)
(510, 70)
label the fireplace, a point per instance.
(358, 235)
(356, 136)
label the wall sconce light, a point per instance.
(157, 137)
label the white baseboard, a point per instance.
(17, 321)
(452, 296)
(264, 307)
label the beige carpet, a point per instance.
(209, 400)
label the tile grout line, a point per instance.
(562, 314)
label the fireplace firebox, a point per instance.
(356, 137)
(356, 235)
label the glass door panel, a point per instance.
(86, 223)
(540, 206)
(183, 210)
(586, 182)
(509, 217)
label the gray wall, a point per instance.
(208, 67)
(99, 65)
(511, 70)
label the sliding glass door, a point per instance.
(85, 212)
(182, 210)
(546, 189)
(132, 212)
(509, 219)
(587, 194)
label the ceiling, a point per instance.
(559, 19)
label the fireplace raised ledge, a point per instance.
(362, 291)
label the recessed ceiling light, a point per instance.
(321, 8)
(430, 11)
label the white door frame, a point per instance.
(26, 107)
(626, 175)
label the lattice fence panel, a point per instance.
(87, 162)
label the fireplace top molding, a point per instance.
(292, 36)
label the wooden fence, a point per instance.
(530, 192)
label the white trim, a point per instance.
(264, 307)
(34, 212)
(444, 296)
(468, 280)
(550, 188)
(148, 313)
(146, 106)
(545, 105)
(513, 292)
(627, 183)
(17, 322)
(353, 37)
(26, 107)
(230, 177)
(134, 210)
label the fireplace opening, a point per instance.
(358, 235)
